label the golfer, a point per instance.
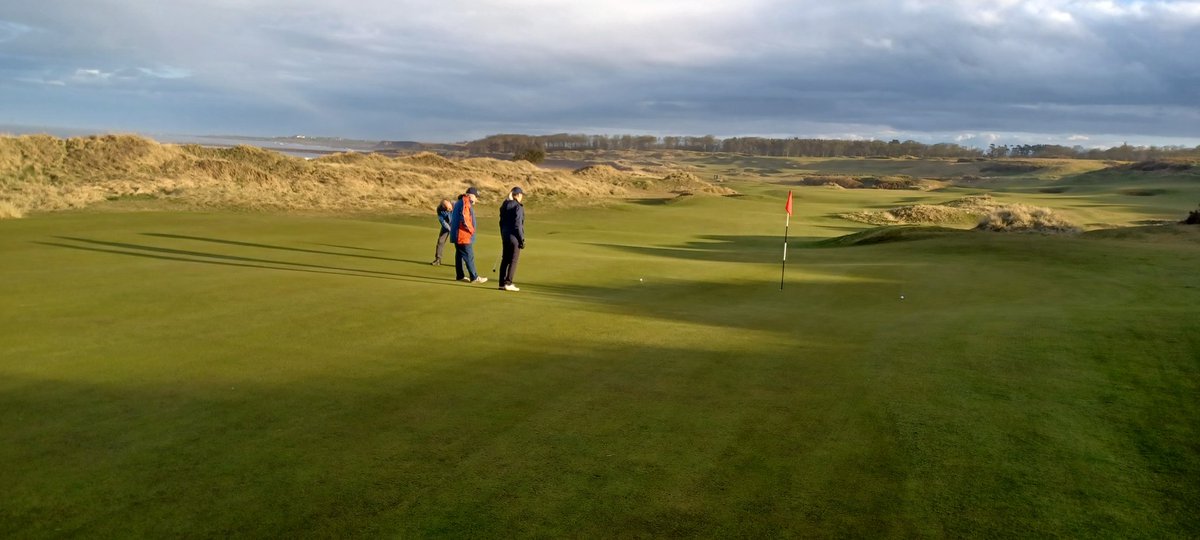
(443, 214)
(512, 237)
(462, 227)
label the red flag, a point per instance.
(789, 204)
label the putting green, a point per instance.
(191, 374)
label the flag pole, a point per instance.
(786, 225)
(782, 272)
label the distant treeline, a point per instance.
(1124, 152)
(796, 147)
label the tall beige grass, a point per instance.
(1025, 218)
(41, 173)
(961, 211)
(9, 210)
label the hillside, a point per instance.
(41, 173)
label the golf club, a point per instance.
(497, 263)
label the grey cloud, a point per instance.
(457, 68)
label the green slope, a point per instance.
(185, 374)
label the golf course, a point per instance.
(176, 370)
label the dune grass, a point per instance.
(208, 374)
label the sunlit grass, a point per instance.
(188, 374)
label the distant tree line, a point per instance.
(1125, 152)
(795, 147)
(516, 145)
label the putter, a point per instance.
(497, 264)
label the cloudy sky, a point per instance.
(1088, 72)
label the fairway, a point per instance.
(191, 374)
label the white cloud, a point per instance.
(10, 31)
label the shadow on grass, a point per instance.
(863, 291)
(281, 248)
(342, 247)
(170, 254)
(582, 441)
(723, 248)
(769, 249)
(652, 201)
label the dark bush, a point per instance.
(532, 155)
(1193, 218)
(1158, 165)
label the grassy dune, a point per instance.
(40, 173)
(219, 374)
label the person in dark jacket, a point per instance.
(512, 237)
(443, 214)
(462, 229)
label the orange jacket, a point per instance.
(464, 216)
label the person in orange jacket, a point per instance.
(462, 229)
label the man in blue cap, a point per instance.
(512, 237)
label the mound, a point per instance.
(974, 203)
(428, 159)
(959, 211)
(42, 173)
(596, 170)
(914, 214)
(353, 158)
(865, 182)
(1010, 167)
(1162, 165)
(1023, 218)
(687, 183)
(1169, 233)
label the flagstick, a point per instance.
(787, 224)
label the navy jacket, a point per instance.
(512, 220)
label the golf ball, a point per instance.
(902, 297)
(640, 279)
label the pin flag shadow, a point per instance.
(786, 224)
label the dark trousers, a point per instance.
(442, 238)
(508, 263)
(464, 261)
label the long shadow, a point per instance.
(750, 305)
(122, 248)
(722, 248)
(281, 248)
(342, 247)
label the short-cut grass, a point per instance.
(170, 374)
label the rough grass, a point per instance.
(42, 173)
(868, 182)
(959, 211)
(1025, 218)
(9, 210)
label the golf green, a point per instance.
(171, 374)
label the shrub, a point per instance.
(9, 210)
(1193, 218)
(532, 155)
(1023, 218)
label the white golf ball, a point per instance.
(902, 297)
(640, 279)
